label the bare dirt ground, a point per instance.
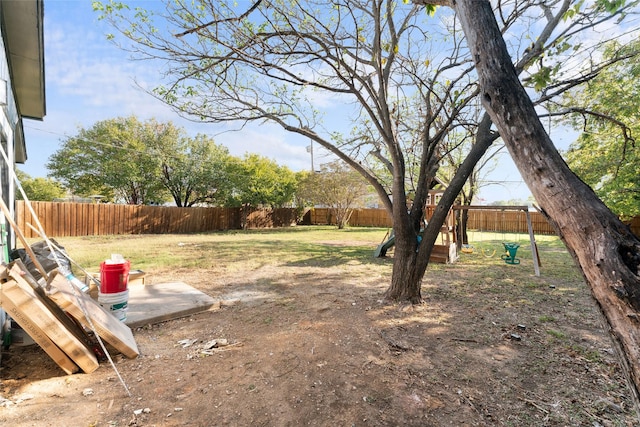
(314, 345)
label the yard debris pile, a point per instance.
(62, 320)
(207, 348)
(50, 256)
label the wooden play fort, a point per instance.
(444, 250)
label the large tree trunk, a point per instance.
(405, 278)
(410, 260)
(604, 248)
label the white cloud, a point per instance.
(89, 79)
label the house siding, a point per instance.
(9, 121)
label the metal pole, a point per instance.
(534, 248)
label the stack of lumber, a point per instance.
(61, 319)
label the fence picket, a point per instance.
(82, 219)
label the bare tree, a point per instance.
(402, 77)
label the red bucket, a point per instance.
(114, 277)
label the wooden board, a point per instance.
(22, 318)
(444, 254)
(20, 272)
(107, 326)
(31, 304)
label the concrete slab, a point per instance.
(165, 301)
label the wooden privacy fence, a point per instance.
(86, 219)
(485, 220)
(359, 217)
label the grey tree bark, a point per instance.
(605, 250)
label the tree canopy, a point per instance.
(336, 186)
(259, 181)
(606, 155)
(124, 159)
(194, 170)
(41, 189)
(112, 159)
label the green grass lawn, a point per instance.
(314, 244)
(304, 245)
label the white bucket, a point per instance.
(117, 303)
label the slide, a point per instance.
(382, 249)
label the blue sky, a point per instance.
(89, 79)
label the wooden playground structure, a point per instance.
(445, 250)
(510, 248)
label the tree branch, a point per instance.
(219, 21)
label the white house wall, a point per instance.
(9, 119)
